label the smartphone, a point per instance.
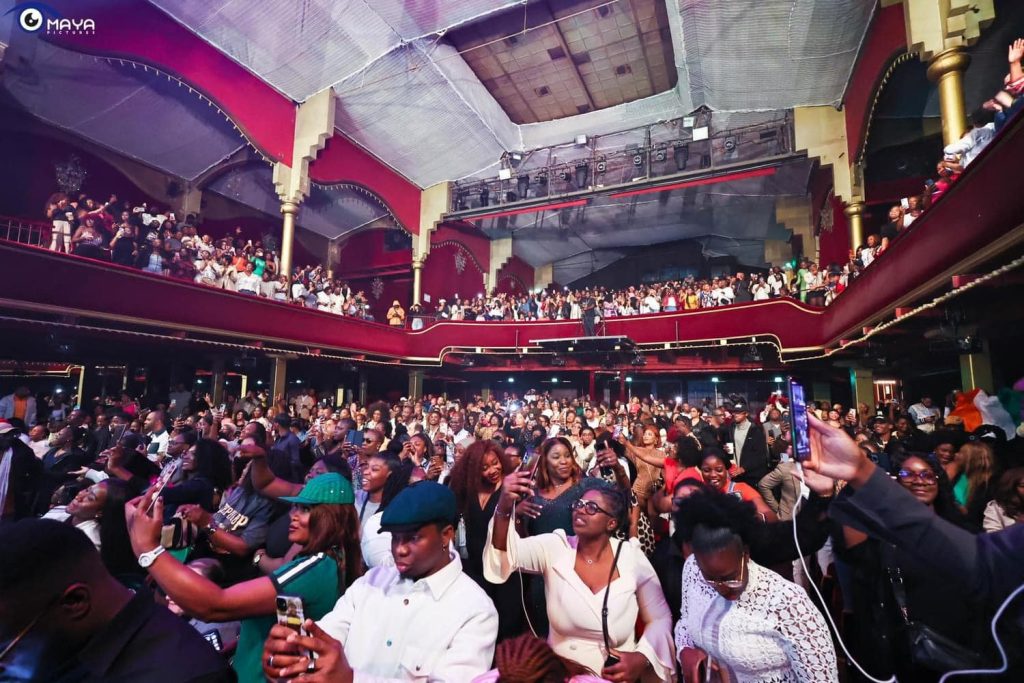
(354, 437)
(291, 615)
(798, 421)
(617, 432)
(905, 203)
(166, 474)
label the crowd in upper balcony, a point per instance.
(985, 121)
(153, 240)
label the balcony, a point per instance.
(977, 221)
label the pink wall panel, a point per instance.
(515, 277)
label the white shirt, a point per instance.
(248, 282)
(574, 611)
(374, 545)
(584, 454)
(772, 632)
(441, 628)
(972, 143)
(920, 413)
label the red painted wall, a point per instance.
(28, 178)
(886, 38)
(341, 160)
(141, 32)
(515, 277)
(834, 244)
(442, 279)
(363, 254)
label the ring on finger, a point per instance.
(270, 662)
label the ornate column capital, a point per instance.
(953, 59)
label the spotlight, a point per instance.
(681, 154)
(563, 175)
(514, 158)
(558, 362)
(582, 171)
(660, 154)
(730, 143)
(485, 193)
(638, 159)
(639, 360)
(554, 380)
(511, 380)
(523, 185)
(602, 165)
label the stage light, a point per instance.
(514, 158)
(629, 379)
(602, 165)
(679, 399)
(730, 144)
(778, 380)
(638, 159)
(259, 382)
(681, 154)
(558, 362)
(582, 171)
(714, 380)
(581, 140)
(505, 174)
(523, 185)
(554, 380)
(511, 380)
(639, 360)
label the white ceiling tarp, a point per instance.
(413, 102)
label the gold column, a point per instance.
(415, 384)
(217, 376)
(417, 274)
(279, 378)
(947, 70)
(288, 210)
(854, 212)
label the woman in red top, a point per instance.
(714, 471)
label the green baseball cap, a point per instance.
(330, 489)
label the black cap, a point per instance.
(283, 420)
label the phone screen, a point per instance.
(798, 420)
(291, 614)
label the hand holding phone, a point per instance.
(798, 420)
(290, 614)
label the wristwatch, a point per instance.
(146, 559)
(257, 556)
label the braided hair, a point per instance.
(528, 659)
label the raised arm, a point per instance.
(194, 593)
(632, 452)
(263, 479)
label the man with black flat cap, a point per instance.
(747, 445)
(422, 619)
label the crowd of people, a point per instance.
(432, 538)
(985, 121)
(154, 241)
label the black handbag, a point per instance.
(611, 659)
(929, 649)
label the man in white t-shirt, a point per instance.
(924, 414)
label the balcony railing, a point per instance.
(24, 231)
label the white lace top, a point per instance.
(772, 634)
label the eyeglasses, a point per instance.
(924, 476)
(731, 584)
(589, 507)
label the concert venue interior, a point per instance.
(599, 202)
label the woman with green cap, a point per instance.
(323, 521)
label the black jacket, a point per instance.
(754, 458)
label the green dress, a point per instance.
(315, 580)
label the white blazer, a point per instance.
(574, 612)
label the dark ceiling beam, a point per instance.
(568, 55)
(643, 46)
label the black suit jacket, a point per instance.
(754, 458)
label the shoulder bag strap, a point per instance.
(604, 605)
